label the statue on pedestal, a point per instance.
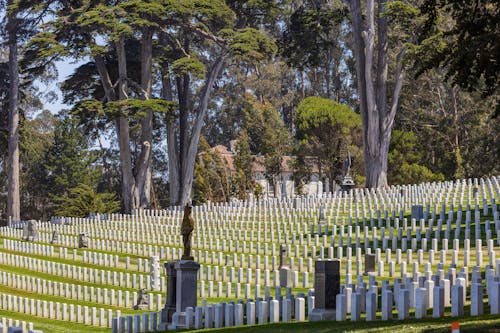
(181, 280)
(187, 228)
(347, 182)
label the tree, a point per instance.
(377, 112)
(453, 127)
(226, 31)
(195, 40)
(315, 43)
(13, 196)
(19, 25)
(212, 176)
(461, 37)
(405, 161)
(71, 33)
(243, 163)
(36, 138)
(83, 200)
(69, 161)
(325, 129)
(268, 136)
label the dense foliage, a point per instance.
(158, 84)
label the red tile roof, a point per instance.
(258, 160)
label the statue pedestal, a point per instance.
(347, 183)
(322, 314)
(181, 292)
(186, 284)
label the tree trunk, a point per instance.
(173, 164)
(459, 170)
(13, 201)
(172, 146)
(143, 164)
(129, 191)
(377, 118)
(187, 164)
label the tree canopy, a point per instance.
(407, 87)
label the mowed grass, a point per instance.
(480, 324)
(485, 323)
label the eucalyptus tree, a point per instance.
(18, 25)
(209, 36)
(374, 51)
(13, 196)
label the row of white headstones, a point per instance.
(172, 223)
(9, 325)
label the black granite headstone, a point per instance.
(417, 212)
(170, 303)
(369, 263)
(326, 283)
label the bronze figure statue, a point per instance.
(187, 228)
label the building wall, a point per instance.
(313, 187)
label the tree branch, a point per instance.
(138, 87)
(389, 120)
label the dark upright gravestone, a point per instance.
(326, 288)
(171, 301)
(417, 212)
(369, 264)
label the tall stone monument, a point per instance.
(181, 280)
(326, 288)
(347, 182)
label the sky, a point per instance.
(64, 69)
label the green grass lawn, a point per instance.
(481, 324)
(486, 323)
